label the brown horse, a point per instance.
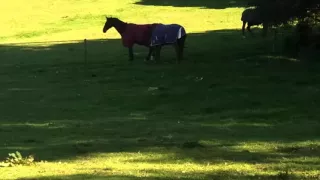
(153, 36)
(131, 33)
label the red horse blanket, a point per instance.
(137, 34)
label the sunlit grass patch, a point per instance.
(146, 165)
(234, 109)
(64, 20)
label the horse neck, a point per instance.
(120, 26)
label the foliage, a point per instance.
(16, 158)
(284, 11)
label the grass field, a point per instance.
(235, 109)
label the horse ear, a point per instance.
(109, 17)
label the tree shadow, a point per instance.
(102, 51)
(212, 4)
(57, 106)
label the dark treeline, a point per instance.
(284, 11)
(303, 15)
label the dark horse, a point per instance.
(143, 34)
(253, 17)
(168, 34)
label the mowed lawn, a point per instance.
(234, 109)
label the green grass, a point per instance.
(65, 20)
(254, 111)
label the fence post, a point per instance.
(85, 51)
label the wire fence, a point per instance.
(84, 50)
(39, 42)
(80, 51)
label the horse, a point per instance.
(254, 18)
(131, 33)
(168, 34)
(153, 36)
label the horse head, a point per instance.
(110, 22)
(114, 22)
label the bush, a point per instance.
(17, 159)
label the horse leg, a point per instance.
(130, 54)
(149, 54)
(153, 55)
(265, 29)
(157, 53)
(243, 28)
(249, 29)
(179, 46)
(182, 45)
(177, 49)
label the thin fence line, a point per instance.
(47, 42)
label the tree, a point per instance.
(278, 12)
(304, 15)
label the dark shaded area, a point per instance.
(218, 4)
(229, 91)
(102, 51)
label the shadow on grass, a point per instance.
(207, 46)
(212, 4)
(228, 91)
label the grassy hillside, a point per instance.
(65, 20)
(234, 109)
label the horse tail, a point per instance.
(181, 32)
(182, 35)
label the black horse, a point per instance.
(253, 17)
(168, 34)
(143, 34)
